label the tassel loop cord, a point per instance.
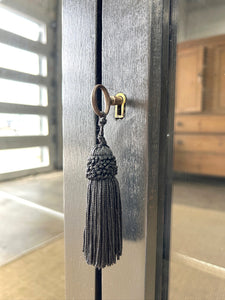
(101, 124)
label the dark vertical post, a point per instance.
(98, 79)
(98, 284)
(98, 56)
(169, 102)
(165, 147)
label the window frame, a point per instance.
(49, 14)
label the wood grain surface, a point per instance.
(125, 66)
(79, 137)
(200, 123)
(207, 143)
(138, 58)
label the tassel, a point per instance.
(102, 244)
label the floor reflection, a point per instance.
(31, 238)
(198, 241)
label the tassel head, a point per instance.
(101, 163)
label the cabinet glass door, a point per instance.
(197, 260)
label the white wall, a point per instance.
(200, 23)
(182, 20)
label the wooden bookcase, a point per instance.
(199, 138)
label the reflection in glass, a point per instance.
(23, 125)
(22, 25)
(24, 158)
(23, 61)
(197, 267)
(31, 207)
(22, 93)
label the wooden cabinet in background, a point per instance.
(199, 139)
(219, 78)
(190, 68)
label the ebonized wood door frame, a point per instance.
(148, 30)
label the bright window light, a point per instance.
(23, 159)
(23, 125)
(18, 92)
(22, 61)
(22, 93)
(21, 25)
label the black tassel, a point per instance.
(102, 244)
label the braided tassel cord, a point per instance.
(102, 244)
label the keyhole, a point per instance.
(119, 110)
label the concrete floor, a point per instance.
(197, 269)
(38, 275)
(31, 238)
(30, 213)
(45, 189)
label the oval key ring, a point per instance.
(94, 100)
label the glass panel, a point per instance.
(23, 61)
(22, 159)
(31, 207)
(22, 93)
(197, 268)
(23, 125)
(22, 25)
(43, 66)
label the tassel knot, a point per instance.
(101, 164)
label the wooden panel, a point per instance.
(199, 143)
(219, 78)
(78, 33)
(209, 42)
(214, 79)
(200, 123)
(190, 64)
(209, 105)
(137, 43)
(126, 71)
(199, 163)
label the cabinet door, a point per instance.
(219, 83)
(189, 80)
(129, 46)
